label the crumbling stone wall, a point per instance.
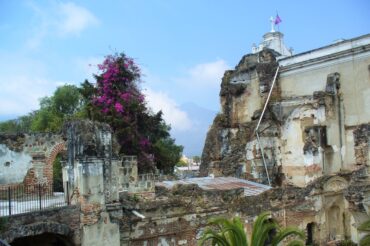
(174, 217)
(28, 158)
(361, 140)
(98, 176)
(177, 216)
(243, 92)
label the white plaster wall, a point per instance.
(292, 135)
(355, 93)
(18, 167)
(293, 157)
(349, 144)
(104, 233)
(354, 82)
(92, 181)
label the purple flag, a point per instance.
(277, 20)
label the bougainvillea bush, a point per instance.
(118, 100)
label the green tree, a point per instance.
(63, 105)
(167, 154)
(266, 231)
(66, 100)
(196, 159)
(87, 91)
(22, 124)
(182, 163)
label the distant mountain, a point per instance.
(193, 139)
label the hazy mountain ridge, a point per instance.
(193, 139)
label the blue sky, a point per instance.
(183, 47)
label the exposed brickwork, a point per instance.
(48, 168)
(90, 213)
(30, 179)
(46, 164)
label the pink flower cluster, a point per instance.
(144, 142)
(116, 85)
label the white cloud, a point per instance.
(199, 84)
(23, 82)
(209, 73)
(74, 19)
(174, 116)
(61, 19)
(20, 94)
(205, 74)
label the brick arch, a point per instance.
(48, 169)
(36, 229)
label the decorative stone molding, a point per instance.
(335, 184)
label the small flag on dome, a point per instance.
(277, 20)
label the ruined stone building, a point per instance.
(300, 122)
(292, 138)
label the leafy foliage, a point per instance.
(266, 231)
(57, 174)
(196, 159)
(182, 163)
(365, 227)
(22, 124)
(166, 153)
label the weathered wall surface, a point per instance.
(174, 217)
(348, 109)
(28, 158)
(243, 92)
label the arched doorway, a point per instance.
(57, 173)
(335, 223)
(41, 234)
(45, 239)
(53, 167)
(311, 233)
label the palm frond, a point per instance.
(216, 239)
(234, 231)
(258, 225)
(263, 234)
(365, 226)
(283, 233)
(365, 241)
